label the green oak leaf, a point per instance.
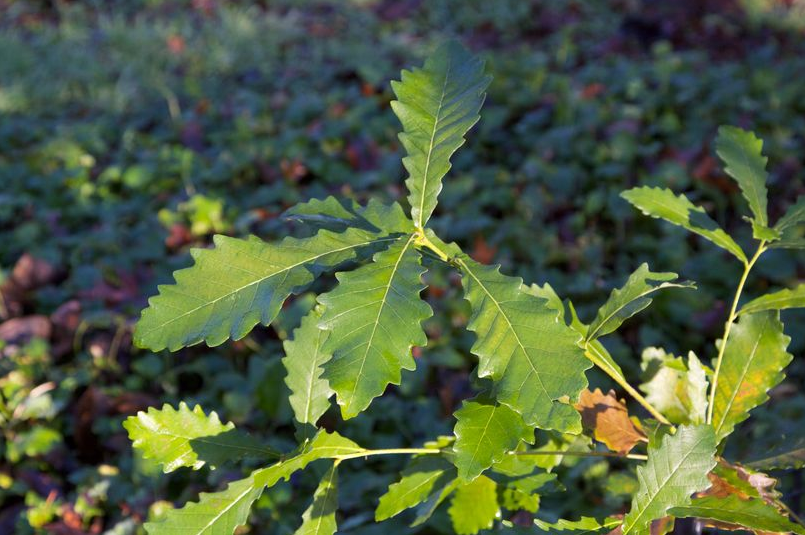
(485, 431)
(753, 363)
(220, 513)
(339, 214)
(533, 358)
(740, 151)
(189, 438)
(625, 302)
(753, 514)
(661, 203)
(474, 506)
(583, 526)
(424, 476)
(319, 518)
(217, 513)
(676, 468)
(437, 105)
(374, 317)
(304, 357)
(426, 509)
(793, 216)
(788, 298)
(240, 283)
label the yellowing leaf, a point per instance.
(677, 390)
(753, 363)
(609, 420)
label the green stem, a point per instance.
(728, 328)
(423, 240)
(629, 388)
(633, 456)
(391, 451)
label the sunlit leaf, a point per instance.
(676, 468)
(474, 506)
(740, 151)
(609, 420)
(753, 363)
(533, 358)
(238, 284)
(788, 298)
(374, 317)
(663, 204)
(176, 438)
(421, 479)
(319, 518)
(437, 105)
(675, 388)
(625, 302)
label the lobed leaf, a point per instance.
(676, 468)
(661, 203)
(740, 151)
(339, 214)
(474, 506)
(533, 358)
(238, 284)
(319, 518)
(374, 317)
(217, 513)
(788, 298)
(733, 512)
(421, 480)
(485, 431)
(583, 526)
(793, 216)
(609, 420)
(437, 105)
(189, 438)
(753, 363)
(625, 302)
(304, 357)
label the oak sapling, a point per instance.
(533, 353)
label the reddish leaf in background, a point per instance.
(609, 420)
(482, 251)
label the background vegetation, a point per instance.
(130, 131)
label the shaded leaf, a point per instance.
(583, 526)
(319, 518)
(184, 437)
(753, 514)
(474, 506)
(625, 302)
(753, 363)
(532, 357)
(676, 468)
(793, 216)
(437, 105)
(421, 479)
(304, 357)
(609, 420)
(485, 431)
(663, 204)
(238, 284)
(339, 214)
(740, 151)
(790, 455)
(788, 298)
(374, 317)
(426, 509)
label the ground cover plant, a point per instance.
(533, 407)
(132, 132)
